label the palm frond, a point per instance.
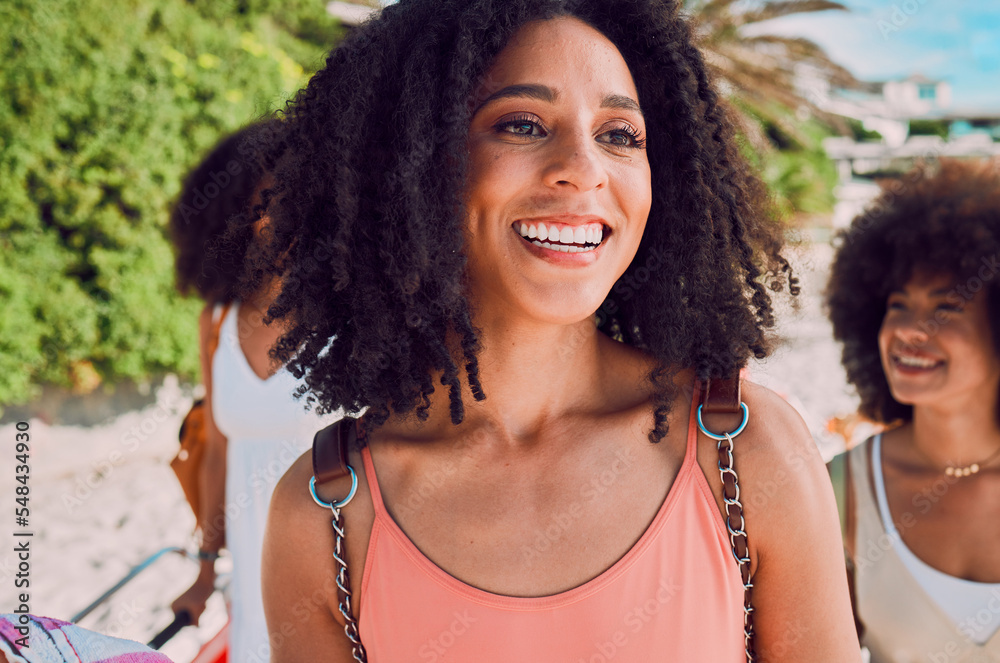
(786, 8)
(763, 69)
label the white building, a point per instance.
(885, 106)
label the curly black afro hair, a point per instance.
(214, 192)
(944, 222)
(365, 216)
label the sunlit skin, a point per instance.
(930, 322)
(563, 399)
(949, 523)
(556, 147)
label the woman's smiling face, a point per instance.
(936, 345)
(558, 188)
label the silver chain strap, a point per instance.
(737, 534)
(340, 557)
(344, 585)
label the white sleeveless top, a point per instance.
(967, 603)
(266, 429)
(906, 619)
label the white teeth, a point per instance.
(563, 248)
(591, 234)
(916, 362)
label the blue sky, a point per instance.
(955, 40)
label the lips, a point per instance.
(563, 234)
(914, 363)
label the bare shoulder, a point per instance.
(783, 480)
(802, 608)
(299, 589)
(299, 572)
(780, 467)
(776, 437)
(298, 540)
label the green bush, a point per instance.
(103, 109)
(930, 128)
(796, 169)
(859, 132)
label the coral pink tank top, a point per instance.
(675, 596)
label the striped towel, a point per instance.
(55, 641)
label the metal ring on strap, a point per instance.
(343, 502)
(739, 429)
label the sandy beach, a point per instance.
(103, 497)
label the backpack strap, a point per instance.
(329, 456)
(218, 315)
(843, 489)
(721, 396)
(839, 468)
(329, 449)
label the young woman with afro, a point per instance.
(914, 298)
(540, 206)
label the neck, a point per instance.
(957, 436)
(532, 374)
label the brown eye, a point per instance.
(625, 136)
(520, 126)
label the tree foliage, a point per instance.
(760, 74)
(103, 108)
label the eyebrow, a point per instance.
(941, 292)
(621, 102)
(547, 94)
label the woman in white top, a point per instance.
(914, 298)
(256, 427)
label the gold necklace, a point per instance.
(966, 470)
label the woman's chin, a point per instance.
(916, 397)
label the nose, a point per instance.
(911, 331)
(575, 162)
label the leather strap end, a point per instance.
(329, 450)
(721, 396)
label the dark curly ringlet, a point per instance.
(366, 211)
(218, 189)
(944, 221)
